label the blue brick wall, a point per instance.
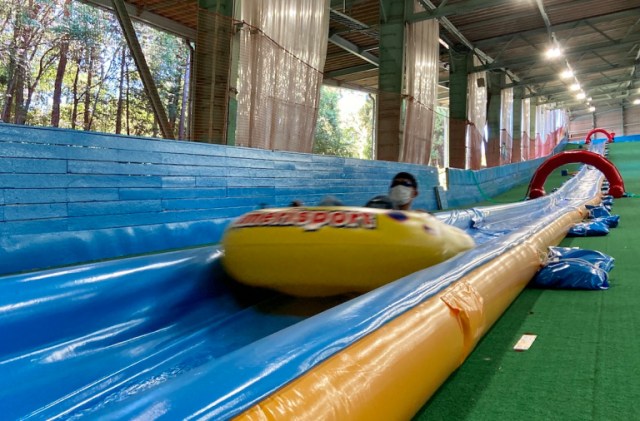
(68, 196)
(467, 187)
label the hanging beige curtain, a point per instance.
(533, 131)
(526, 128)
(477, 112)
(555, 122)
(282, 47)
(540, 130)
(421, 64)
(506, 125)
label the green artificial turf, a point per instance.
(585, 362)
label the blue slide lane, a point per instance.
(171, 335)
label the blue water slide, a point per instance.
(171, 335)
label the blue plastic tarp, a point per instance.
(575, 268)
(571, 274)
(610, 221)
(598, 258)
(598, 211)
(588, 229)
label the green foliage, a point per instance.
(95, 43)
(344, 137)
(86, 24)
(365, 124)
(441, 121)
(328, 139)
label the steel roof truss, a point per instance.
(353, 49)
(459, 8)
(567, 53)
(563, 26)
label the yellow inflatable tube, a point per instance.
(323, 251)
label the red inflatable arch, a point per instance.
(616, 185)
(610, 136)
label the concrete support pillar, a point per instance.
(494, 105)
(518, 93)
(460, 60)
(391, 71)
(211, 71)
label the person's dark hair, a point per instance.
(380, 202)
(406, 176)
(330, 201)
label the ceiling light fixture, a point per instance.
(581, 95)
(592, 109)
(553, 52)
(566, 74)
(575, 87)
(636, 101)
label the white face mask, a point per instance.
(401, 195)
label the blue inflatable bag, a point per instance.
(571, 274)
(597, 258)
(588, 229)
(610, 221)
(597, 211)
